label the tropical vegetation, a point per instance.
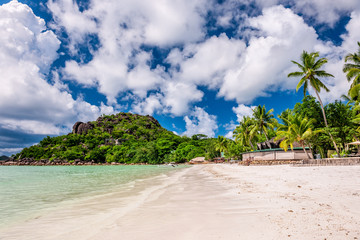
(310, 72)
(311, 124)
(123, 138)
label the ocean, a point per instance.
(29, 191)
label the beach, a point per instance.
(213, 201)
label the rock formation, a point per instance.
(82, 128)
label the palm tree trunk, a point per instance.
(252, 145)
(303, 147)
(267, 139)
(326, 124)
(311, 151)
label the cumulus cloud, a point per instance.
(123, 27)
(178, 96)
(149, 106)
(278, 38)
(206, 63)
(9, 151)
(336, 56)
(352, 36)
(77, 24)
(201, 64)
(28, 103)
(325, 11)
(243, 111)
(320, 11)
(200, 122)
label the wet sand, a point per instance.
(214, 202)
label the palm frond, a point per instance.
(318, 64)
(321, 85)
(301, 82)
(295, 74)
(322, 73)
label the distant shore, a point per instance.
(216, 201)
(300, 162)
(57, 162)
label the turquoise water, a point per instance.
(26, 190)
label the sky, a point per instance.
(198, 66)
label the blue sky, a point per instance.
(197, 66)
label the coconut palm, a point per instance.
(296, 128)
(353, 95)
(242, 132)
(310, 72)
(352, 67)
(221, 144)
(263, 121)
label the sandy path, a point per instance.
(216, 202)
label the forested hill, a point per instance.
(122, 138)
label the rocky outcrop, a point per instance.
(82, 128)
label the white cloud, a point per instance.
(28, 103)
(200, 122)
(206, 63)
(322, 11)
(280, 37)
(149, 105)
(122, 27)
(243, 111)
(202, 64)
(77, 24)
(178, 96)
(9, 151)
(326, 11)
(237, 71)
(352, 36)
(336, 55)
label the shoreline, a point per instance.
(345, 161)
(46, 162)
(216, 201)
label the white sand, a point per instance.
(215, 202)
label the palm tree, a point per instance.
(310, 73)
(221, 144)
(263, 120)
(242, 132)
(352, 69)
(296, 128)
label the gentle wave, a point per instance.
(26, 191)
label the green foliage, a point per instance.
(259, 127)
(123, 138)
(352, 70)
(340, 118)
(235, 150)
(310, 73)
(296, 128)
(263, 121)
(311, 109)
